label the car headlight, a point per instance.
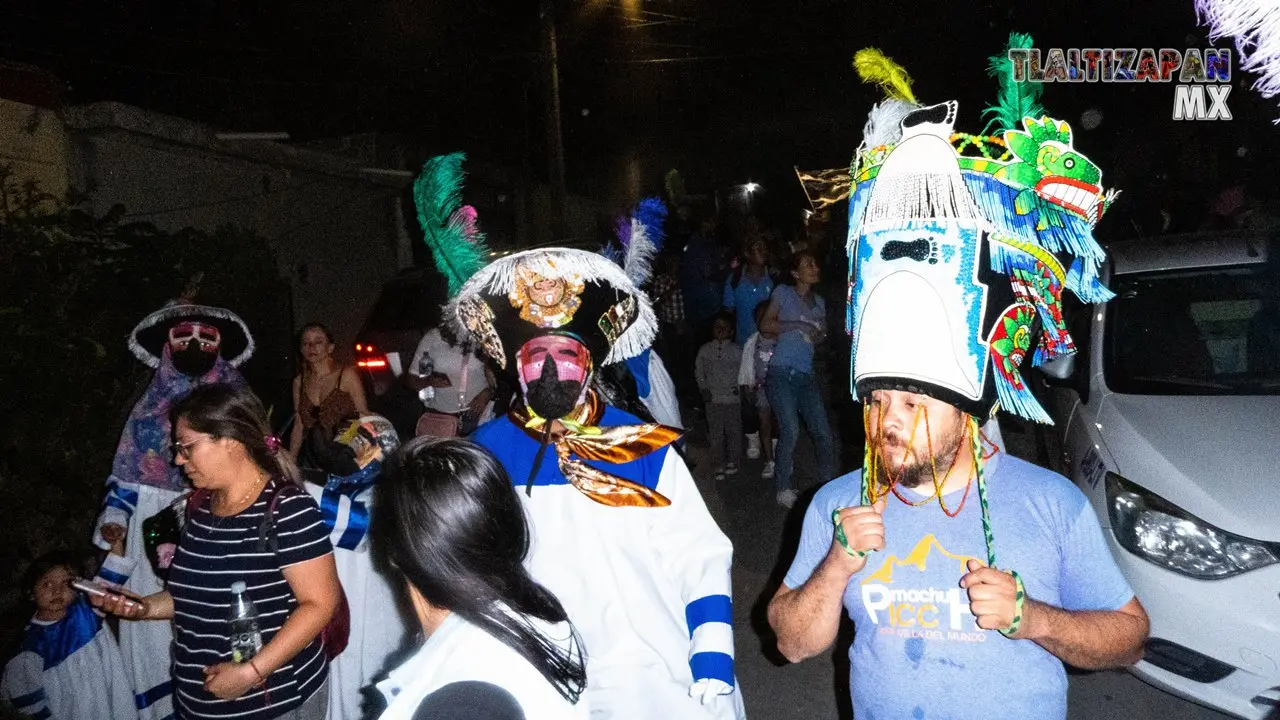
(1162, 533)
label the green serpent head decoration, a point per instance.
(1045, 162)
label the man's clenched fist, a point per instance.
(864, 530)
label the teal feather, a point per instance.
(1016, 100)
(449, 227)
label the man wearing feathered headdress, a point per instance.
(188, 345)
(620, 532)
(960, 248)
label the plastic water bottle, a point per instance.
(426, 366)
(246, 634)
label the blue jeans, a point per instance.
(794, 395)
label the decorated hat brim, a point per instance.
(492, 284)
(149, 337)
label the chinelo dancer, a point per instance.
(620, 532)
(354, 462)
(960, 247)
(189, 346)
(640, 239)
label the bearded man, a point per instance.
(953, 290)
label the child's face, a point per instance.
(759, 319)
(53, 592)
(722, 330)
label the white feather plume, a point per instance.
(1255, 25)
(884, 123)
(640, 254)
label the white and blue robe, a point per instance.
(144, 481)
(655, 388)
(71, 669)
(146, 643)
(377, 628)
(647, 588)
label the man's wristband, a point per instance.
(842, 538)
(1019, 602)
(262, 679)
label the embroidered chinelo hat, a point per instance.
(961, 245)
(505, 303)
(149, 337)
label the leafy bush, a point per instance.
(72, 286)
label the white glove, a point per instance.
(708, 689)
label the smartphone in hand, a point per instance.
(93, 589)
(89, 587)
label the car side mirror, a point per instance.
(1060, 370)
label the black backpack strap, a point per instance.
(268, 539)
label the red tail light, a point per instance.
(367, 358)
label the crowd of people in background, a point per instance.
(293, 519)
(754, 369)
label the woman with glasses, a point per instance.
(498, 645)
(248, 520)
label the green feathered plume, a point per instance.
(449, 227)
(1016, 99)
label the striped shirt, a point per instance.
(217, 551)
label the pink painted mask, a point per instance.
(572, 359)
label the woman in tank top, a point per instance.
(325, 393)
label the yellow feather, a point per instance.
(874, 66)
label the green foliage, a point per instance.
(72, 286)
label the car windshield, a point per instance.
(1212, 331)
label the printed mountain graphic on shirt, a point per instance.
(901, 600)
(918, 558)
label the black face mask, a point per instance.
(550, 397)
(192, 361)
(331, 456)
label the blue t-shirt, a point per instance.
(795, 348)
(918, 652)
(744, 299)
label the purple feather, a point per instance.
(623, 231)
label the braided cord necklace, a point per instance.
(869, 496)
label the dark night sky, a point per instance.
(727, 90)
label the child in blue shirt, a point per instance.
(70, 667)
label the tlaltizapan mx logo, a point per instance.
(900, 601)
(1203, 74)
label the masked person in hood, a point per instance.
(354, 462)
(189, 346)
(620, 532)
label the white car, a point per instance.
(1169, 420)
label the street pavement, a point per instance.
(764, 537)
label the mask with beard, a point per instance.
(193, 360)
(549, 396)
(554, 371)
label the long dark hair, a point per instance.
(450, 522)
(220, 411)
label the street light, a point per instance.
(751, 187)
